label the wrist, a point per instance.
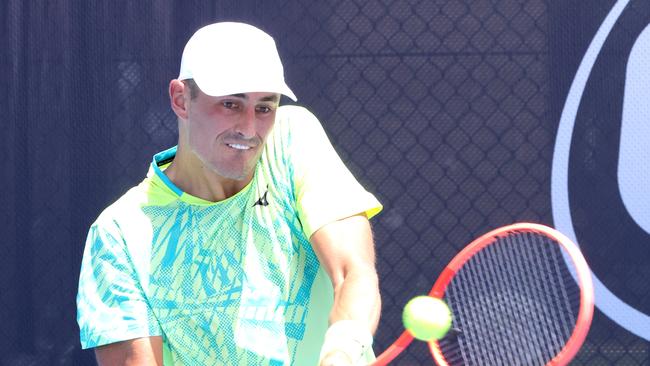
(351, 337)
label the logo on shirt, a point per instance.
(262, 201)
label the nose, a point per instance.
(246, 124)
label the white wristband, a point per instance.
(348, 336)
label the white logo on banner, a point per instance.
(634, 153)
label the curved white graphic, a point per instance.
(617, 310)
(634, 154)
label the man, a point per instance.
(247, 244)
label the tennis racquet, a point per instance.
(519, 295)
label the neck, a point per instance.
(189, 174)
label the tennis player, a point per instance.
(246, 244)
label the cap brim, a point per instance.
(250, 84)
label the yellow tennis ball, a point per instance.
(426, 318)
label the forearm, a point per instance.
(353, 320)
(139, 351)
(345, 248)
(357, 298)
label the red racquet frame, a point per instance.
(583, 273)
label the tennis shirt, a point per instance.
(234, 282)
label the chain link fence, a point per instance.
(447, 110)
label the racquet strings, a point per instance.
(514, 303)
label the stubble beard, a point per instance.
(233, 171)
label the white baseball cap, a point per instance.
(232, 58)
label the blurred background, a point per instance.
(461, 115)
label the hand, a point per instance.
(346, 343)
(336, 358)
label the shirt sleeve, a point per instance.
(111, 305)
(325, 188)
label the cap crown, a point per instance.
(230, 58)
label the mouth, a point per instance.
(239, 146)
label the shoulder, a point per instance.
(122, 209)
(297, 125)
(294, 112)
(296, 116)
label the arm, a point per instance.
(141, 351)
(346, 250)
(113, 314)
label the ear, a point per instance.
(179, 98)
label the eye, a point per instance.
(229, 104)
(263, 109)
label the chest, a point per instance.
(253, 244)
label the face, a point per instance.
(228, 133)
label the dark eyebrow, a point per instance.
(269, 98)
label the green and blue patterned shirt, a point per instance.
(232, 282)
